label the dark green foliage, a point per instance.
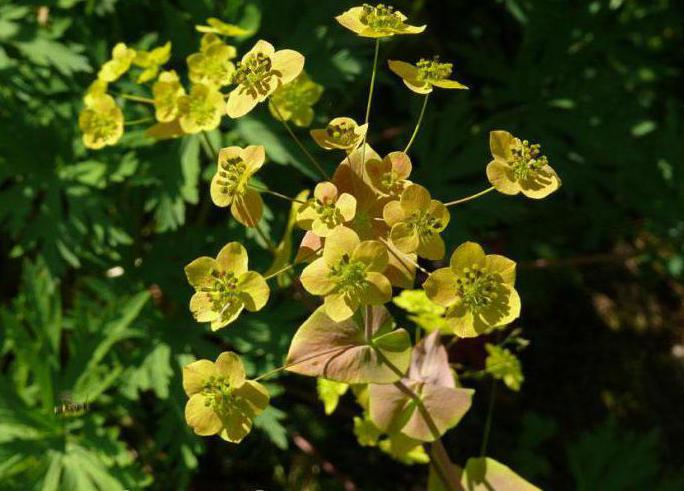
(93, 243)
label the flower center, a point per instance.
(328, 213)
(476, 287)
(433, 70)
(349, 275)
(224, 293)
(527, 159)
(381, 17)
(254, 73)
(230, 175)
(102, 125)
(424, 223)
(217, 66)
(218, 394)
(201, 109)
(342, 133)
(391, 183)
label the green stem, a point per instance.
(288, 365)
(488, 421)
(420, 120)
(138, 121)
(468, 198)
(137, 98)
(299, 143)
(281, 270)
(266, 240)
(370, 100)
(207, 142)
(274, 193)
(395, 252)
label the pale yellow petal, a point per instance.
(255, 289)
(440, 287)
(247, 208)
(200, 417)
(229, 365)
(233, 258)
(500, 175)
(196, 374)
(316, 278)
(467, 255)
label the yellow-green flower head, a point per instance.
(294, 100)
(229, 186)
(423, 311)
(201, 109)
(260, 72)
(96, 89)
(519, 166)
(224, 287)
(101, 121)
(222, 402)
(504, 365)
(417, 220)
(377, 22)
(389, 176)
(217, 26)
(212, 65)
(327, 210)
(425, 75)
(167, 91)
(349, 274)
(122, 57)
(151, 61)
(340, 134)
(477, 290)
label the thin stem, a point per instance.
(281, 270)
(261, 234)
(420, 120)
(396, 253)
(298, 142)
(138, 121)
(207, 141)
(288, 365)
(488, 422)
(137, 98)
(370, 100)
(274, 193)
(468, 198)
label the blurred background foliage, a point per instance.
(94, 301)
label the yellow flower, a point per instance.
(224, 287)
(504, 365)
(122, 57)
(101, 121)
(151, 61)
(519, 166)
(221, 401)
(327, 210)
(229, 186)
(167, 92)
(349, 274)
(423, 311)
(212, 65)
(96, 89)
(389, 176)
(341, 133)
(201, 110)
(425, 75)
(217, 26)
(417, 220)
(261, 71)
(377, 22)
(294, 100)
(477, 289)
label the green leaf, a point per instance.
(485, 474)
(339, 350)
(154, 373)
(270, 423)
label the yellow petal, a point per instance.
(404, 237)
(415, 198)
(233, 258)
(240, 102)
(340, 306)
(202, 307)
(199, 271)
(228, 315)
(326, 192)
(467, 255)
(201, 418)
(351, 19)
(196, 374)
(449, 84)
(229, 365)
(401, 164)
(254, 156)
(393, 213)
(500, 144)
(256, 290)
(440, 287)
(342, 241)
(502, 266)
(261, 46)
(346, 205)
(288, 64)
(373, 253)
(500, 175)
(377, 290)
(504, 310)
(441, 213)
(431, 247)
(404, 70)
(316, 278)
(247, 208)
(540, 184)
(219, 193)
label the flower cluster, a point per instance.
(366, 228)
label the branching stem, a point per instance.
(468, 198)
(420, 120)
